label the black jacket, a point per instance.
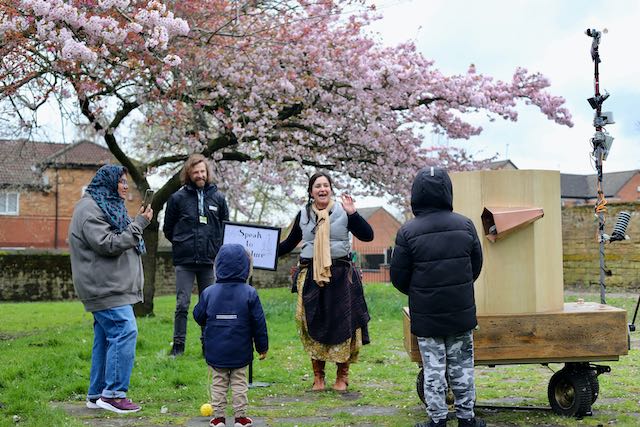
(436, 259)
(194, 242)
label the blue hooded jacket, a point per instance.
(231, 313)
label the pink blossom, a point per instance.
(159, 38)
(107, 4)
(77, 51)
(134, 27)
(279, 87)
(172, 60)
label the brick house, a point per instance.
(40, 183)
(501, 165)
(619, 187)
(373, 257)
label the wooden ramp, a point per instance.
(581, 332)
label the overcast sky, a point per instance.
(545, 36)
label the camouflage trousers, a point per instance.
(448, 357)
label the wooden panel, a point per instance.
(522, 273)
(579, 332)
(410, 340)
(586, 331)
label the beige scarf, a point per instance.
(322, 246)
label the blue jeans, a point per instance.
(184, 284)
(114, 349)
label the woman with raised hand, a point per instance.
(331, 312)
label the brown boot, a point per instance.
(318, 374)
(342, 377)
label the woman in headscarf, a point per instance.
(331, 313)
(105, 246)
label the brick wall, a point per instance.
(35, 277)
(581, 250)
(40, 276)
(166, 279)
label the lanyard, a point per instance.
(200, 202)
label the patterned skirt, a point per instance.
(346, 351)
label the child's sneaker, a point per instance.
(243, 422)
(91, 404)
(217, 422)
(118, 405)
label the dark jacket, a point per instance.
(436, 259)
(194, 242)
(231, 313)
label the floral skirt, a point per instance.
(346, 351)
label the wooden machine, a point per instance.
(522, 317)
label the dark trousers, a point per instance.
(185, 276)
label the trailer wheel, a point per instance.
(570, 392)
(420, 386)
(420, 389)
(595, 385)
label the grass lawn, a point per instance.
(45, 352)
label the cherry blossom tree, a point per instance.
(269, 90)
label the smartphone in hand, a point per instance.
(148, 196)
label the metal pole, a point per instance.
(600, 209)
(599, 154)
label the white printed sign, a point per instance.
(261, 241)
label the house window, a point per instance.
(9, 203)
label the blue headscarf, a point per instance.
(104, 191)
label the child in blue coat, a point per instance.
(231, 315)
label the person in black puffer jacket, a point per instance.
(436, 259)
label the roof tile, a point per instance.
(21, 161)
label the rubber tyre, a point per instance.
(420, 386)
(420, 389)
(570, 393)
(595, 385)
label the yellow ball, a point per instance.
(206, 410)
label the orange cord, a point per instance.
(601, 203)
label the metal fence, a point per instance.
(373, 262)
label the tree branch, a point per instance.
(110, 139)
(424, 101)
(166, 160)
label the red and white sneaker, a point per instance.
(243, 422)
(217, 422)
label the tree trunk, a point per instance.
(145, 308)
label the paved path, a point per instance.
(100, 418)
